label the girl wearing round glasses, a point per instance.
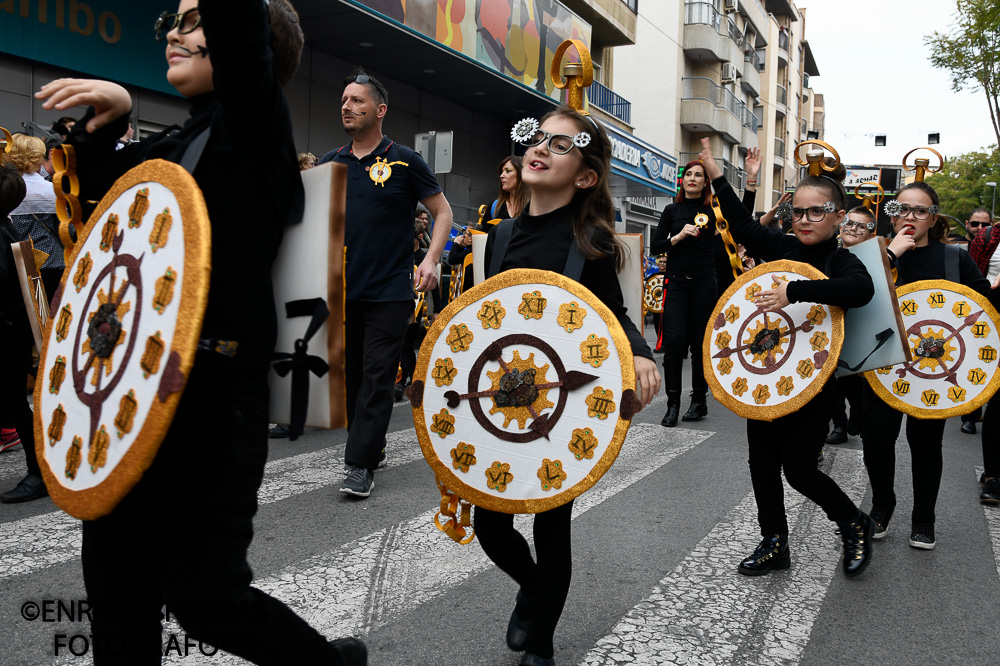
(918, 254)
(566, 166)
(792, 443)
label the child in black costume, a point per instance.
(567, 167)
(918, 254)
(793, 442)
(225, 56)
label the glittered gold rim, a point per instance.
(891, 399)
(443, 471)
(336, 297)
(98, 501)
(793, 404)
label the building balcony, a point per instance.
(611, 102)
(751, 73)
(751, 123)
(710, 36)
(612, 22)
(779, 152)
(780, 100)
(707, 106)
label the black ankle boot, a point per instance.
(771, 553)
(698, 409)
(519, 627)
(857, 537)
(673, 409)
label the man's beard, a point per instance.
(361, 123)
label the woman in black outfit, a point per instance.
(697, 271)
(918, 254)
(570, 213)
(687, 234)
(792, 443)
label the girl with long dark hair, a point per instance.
(566, 167)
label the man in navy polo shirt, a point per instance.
(385, 180)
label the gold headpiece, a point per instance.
(579, 75)
(814, 158)
(922, 164)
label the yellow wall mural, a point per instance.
(514, 37)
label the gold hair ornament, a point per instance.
(579, 75)
(870, 199)
(921, 165)
(8, 139)
(814, 158)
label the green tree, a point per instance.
(961, 184)
(971, 52)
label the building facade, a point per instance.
(738, 72)
(463, 73)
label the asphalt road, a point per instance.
(656, 544)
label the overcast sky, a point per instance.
(876, 79)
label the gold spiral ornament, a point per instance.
(921, 165)
(814, 158)
(578, 75)
(870, 199)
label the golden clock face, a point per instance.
(954, 343)
(764, 365)
(653, 293)
(123, 336)
(525, 388)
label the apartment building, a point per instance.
(736, 71)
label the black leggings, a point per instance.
(687, 307)
(180, 538)
(545, 582)
(792, 443)
(991, 438)
(880, 430)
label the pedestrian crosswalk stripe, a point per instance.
(370, 582)
(45, 540)
(704, 612)
(993, 523)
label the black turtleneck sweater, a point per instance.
(849, 284)
(248, 174)
(928, 263)
(695, 255)
(543, 242)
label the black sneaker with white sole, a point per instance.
(881, 518)
(922, 536)
(358, 482)
(383, 460)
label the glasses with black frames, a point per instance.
(813, 214)
(185, 22)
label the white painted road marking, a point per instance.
(371, 581)
(993, 523)
(704, 612)
(52, 538)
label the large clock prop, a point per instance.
(122, 337)
(522, 396)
